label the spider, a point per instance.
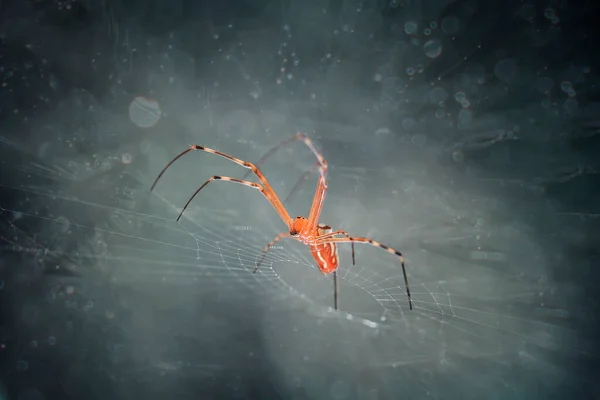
(321, 239)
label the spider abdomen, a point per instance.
(326, 257)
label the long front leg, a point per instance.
(321, 191)
(298, 136)
(303, 178)
(317, 204)
(266, 187)
(227, 179)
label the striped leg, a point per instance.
(302, 179)
(266, 188)
(298, 136)
(376, 244)
(321, 190)
(223, 178)
(331, 235)
(267, 247)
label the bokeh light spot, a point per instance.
(144, 112)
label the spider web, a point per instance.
(474, 309)
(477, 312)
(471, 310)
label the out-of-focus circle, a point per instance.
(144, 112)
(549, 13)
(450, 25)
(464, 118)
(458, 156)
(565, 86)
(432, 48)
(571, 105)
(22, 365)
(126, 158)
(410, 27)
(63, 224)
(437, 94)
(505, 69)
(544, 84)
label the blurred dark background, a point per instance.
(466, 133)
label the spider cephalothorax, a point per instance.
(320, 239)
(298, 225)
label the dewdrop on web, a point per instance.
(144, 112)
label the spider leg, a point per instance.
(376, 244)
(298, 136)
(321, 190)
(335, 278)
(335, 290)
(267, 247)
(302, 179)
(267, 189)
(227, 179)
(336, 233)
(317, 204)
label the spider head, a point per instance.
(298, 225)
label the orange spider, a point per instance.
(320, 239)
